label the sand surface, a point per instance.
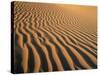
(54, 37)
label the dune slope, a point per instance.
(54, 37)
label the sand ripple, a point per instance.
(52, 37)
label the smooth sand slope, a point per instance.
(54, 37)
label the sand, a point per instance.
(54, 37)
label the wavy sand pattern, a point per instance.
(54, 37)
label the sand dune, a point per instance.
(54, 37)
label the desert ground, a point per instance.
(54, 37)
